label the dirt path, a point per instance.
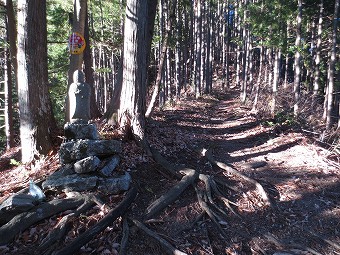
(303, 184)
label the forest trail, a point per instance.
(302, 183)
(294, 171)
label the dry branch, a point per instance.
(232, 170)
(168, 248)
(190, 177)
(24, 220)
(101, 225)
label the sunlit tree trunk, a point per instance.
(297, 66)
(316, 82)
(331, 69)
(245, 55)
(36, 117)
(227, 45)
(198, 47)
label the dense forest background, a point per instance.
(280, 55)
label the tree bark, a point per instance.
(34, 102)
(316, 83)
(88, 70)
(297, 65)
(76, 60)
(131, 114)
(9, 130)
(331, 68)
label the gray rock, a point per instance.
(63, 171)
(110, 166)
(14, 205)
(86, 165)
(18, 202)
(76, 150)
(73, 182)
(80, 131)
(114, 185)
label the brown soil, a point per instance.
(296, 173)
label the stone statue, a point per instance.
(79, 94)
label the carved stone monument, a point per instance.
(79, 95)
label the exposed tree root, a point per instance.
(211, 186)
(101, 225)
(53, 239)
(212, 215)
(167, 247)
(125, 237)
(189, 178)
(232, 170)
(172, 170)
(270, 237)
(26, 219)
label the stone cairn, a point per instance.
(87, 162)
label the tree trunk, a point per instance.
(259, 77)
(76, 60)
(316, 83)
(95, 113)
(12, 38)
(132, 104)
(245, 55)
(111, 113)
(10, 59)
(34, 102)
(297, 65)
(331, 69)
(276, 78)
(198, 48)
(8, 100)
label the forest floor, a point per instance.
(301, 180)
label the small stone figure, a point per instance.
(79, 95)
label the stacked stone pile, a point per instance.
(87, 162)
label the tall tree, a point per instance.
(36, 117)
(95, 113)
(78, 25)
(331, 68)
(297, 72)
(10, 57)
(316, 83)
(132, 101)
